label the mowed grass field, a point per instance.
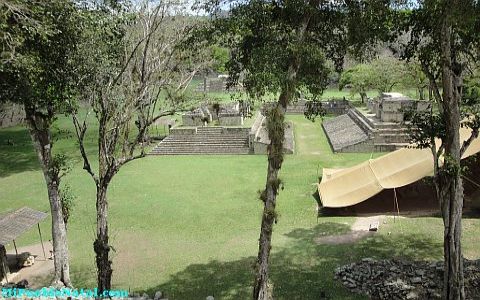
(189, 225)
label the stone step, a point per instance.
(361, 117)
(395, 145)
(209, 129)
(239, 150)
(206, 153)
(211, 135)
(200, 138)
(199, 148)
(391, 131)
(205, 143)
(197, 151)
(190, 146)
(386, 125)
(394, 134)
(360, 121)
(207, 140)
(343, 131)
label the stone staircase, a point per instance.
(206, 140)
(343, 132)
(384, 133)
(358, 131)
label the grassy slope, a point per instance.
(189, 225)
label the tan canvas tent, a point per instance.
(350, 186)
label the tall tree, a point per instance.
(134, 55)
(38, 40)
(415, 77)
(273, 54)
(445, 39)
(282, 48)
(359, 78)
(388, 73)
(381, 74)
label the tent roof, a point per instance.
(350, 186)
(14, 224)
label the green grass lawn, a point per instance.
(189, 225)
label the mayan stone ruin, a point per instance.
(381, 127)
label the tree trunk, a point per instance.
(363, 96)
(205, 84)
(449, 182)
(40, 133)
(430, 93)
(450, 193)
(142, 126)
(4, 270)
(59, 233)
(275, 120)
(421, 93)
(101, 246)
(276, 133)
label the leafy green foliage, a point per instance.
(314, 109)
(359, 78)
(220, 56)
(425, 127)
(67, 199)
(262, 36)
(415, 77)
(423, 26)
(40, 72)
(381, 74)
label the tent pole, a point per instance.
(393, 205)
(16, 251)
(41, 241)
(396, 202)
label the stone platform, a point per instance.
(222, 140)
(204, 140)
(361, 131)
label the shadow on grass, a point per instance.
(16, 152)
(301, 270)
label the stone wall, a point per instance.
(257, 123)
(261, 141)
(333, 106)
(192, 120)
(183, 131)
(215, 84)
(226, 119)
(11, 115)
(391, 107)
(197, 117)
(336, 107)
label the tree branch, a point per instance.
(80, 130)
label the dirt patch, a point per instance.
(360, 230)
(36, 275)
(347, 238)
(364, 223)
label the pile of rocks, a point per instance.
(396, 279)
